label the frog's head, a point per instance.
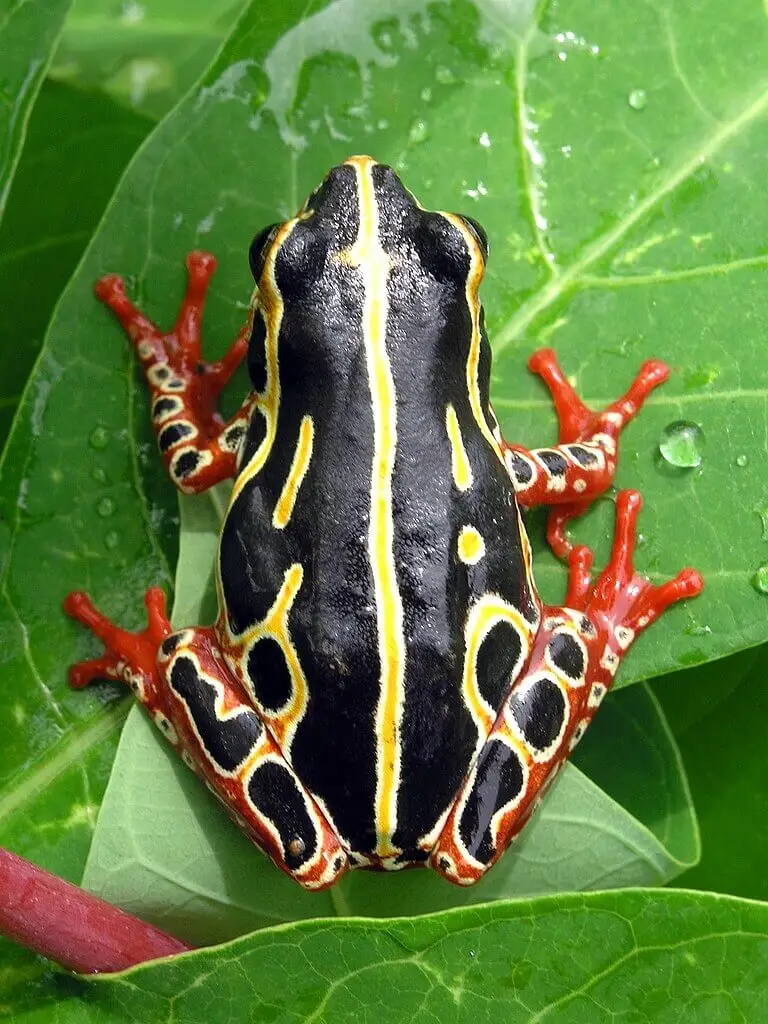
(361, 233)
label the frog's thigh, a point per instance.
(220, 735)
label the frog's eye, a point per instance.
(478, 233)
(257, 254)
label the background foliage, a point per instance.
(616, 159)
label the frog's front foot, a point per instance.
(198, 447)
(571, 474)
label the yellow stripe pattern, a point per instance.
(368, 256)
(301, 459)
(460, 467)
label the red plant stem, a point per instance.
(64, 923)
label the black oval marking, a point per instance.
(269, 674)
(583, 456)
(274, 793)
(257, 352)
(540, 713)
(227, 741)
(587, 626)
(520, 467)
(555, 462)
(566, 655)
(233, 437)
(166, 405)
(172, 434)
(499, 780)
(161, 372)
(497, 661)
(169, 645)
(186, 464)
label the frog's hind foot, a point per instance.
(571, 474)
(130, 657)
(198, 447)
(622, 603)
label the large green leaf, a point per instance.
(76, 148)
(145, 55)
(28, 33)
(648, 957)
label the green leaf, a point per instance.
(76, 148)
(639, 955)
(28, 33)
(718, 714)
(143, 55)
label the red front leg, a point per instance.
(198, 447)
(571, 474)
(571, 668)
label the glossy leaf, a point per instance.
(28, 34)
(76, 148)
(144, 55)
(641, 955)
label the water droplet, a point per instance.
(638, 99)
(681, 444)
(760, 579)
(418, 131)
(105, 507)
(762, 511)
(98, 438)
(111, 540)
(696, 630)
(444, 75)
(742, 461)
(566, 150)
(426, 94)
(99, 475)
(485, 140)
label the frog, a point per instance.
(382, 687)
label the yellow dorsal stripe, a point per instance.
(462, 471)
(374, 265)
(299, 466)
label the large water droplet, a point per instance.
(99, 475)
(111, 540)
(681, 444)
(105, 507)
(638, 99)
(98, 438)
(760, 579)
(742, 461)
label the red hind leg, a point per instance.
(571, 474)
(572, 666)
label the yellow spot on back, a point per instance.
(471, 545)
(462, 471)
(301, 458)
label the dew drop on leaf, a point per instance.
(696, 630)
(741, 461)
(760, 579)
(98, 438)
(638, 99)
(418, 132)
(681, 444)
(99, 475)
(105, 507)
(111, 540)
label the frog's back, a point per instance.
(375, 583)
